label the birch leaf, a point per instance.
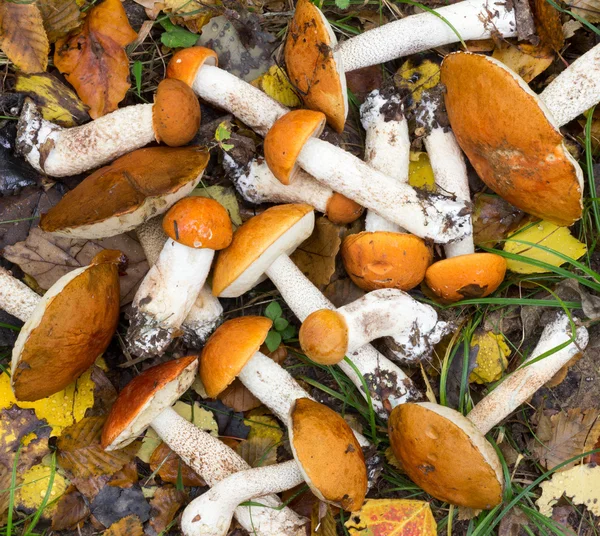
(580, 483)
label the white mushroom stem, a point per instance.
(388, 385)
(527, 379)
(433, 216)
(387, 147)
(57, 151)
(211, 513)
(215, 461)
(16, 298)
(574, 90)
(206, 312)
(165, 297)
(472, 20)
(276, 388)
(412, 325)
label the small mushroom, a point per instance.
(196, 227)
(134, 188)
(384, 255)
(173, 119)
(316, 63)
(422, 435)
(65, 330)
(260, 247)
(206, 312)
(327, 336)
(292, 143)
(146, 401)
(512, 136)
(326, 456)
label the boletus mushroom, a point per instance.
(326, 456)
(65, 330)
(173, 119)
(146, 401)
(422, 435)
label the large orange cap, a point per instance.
(139, 394)
(184, 64)
(467, 276)
(385, 260)
(342, 210)
(286, 138)
(228, 350)
(69, 329)
(328, 454)
(324, 337)
(513, 145)
(199, 222)
(443, 453)
(311, 64)
(176, 113)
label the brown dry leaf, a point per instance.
(258, 451)
(564, 435)
(393, 517)
(22, 36)
(238, 397)
(5, 479)
(47, 258)
(322, 522)
(526, 60)
(93, 58)
(548, 24)
(493, 219)
(165, 503)
(316, 255)
(128, 526)
(80, 453)
(126, 477)
(193, 14)
(513, 522)
(169, 465)
(588, 9)
(60, 17)
(71, 510)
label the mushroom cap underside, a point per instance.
(324, 337)
(176, 113)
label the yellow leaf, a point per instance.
(322, 522)
(276, 84)
(545, 234)
(34, 487)
(393, 517)
(526, 60)
(417, 77)
(580, 483)
(390, 457)
(491, 357)
(60, 410)
(56, 101)
(22, 36)
(264, 426)
(420, 172)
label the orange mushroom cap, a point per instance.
(175, 114)
(199, 222)
(185, 63)
(286, 138)
(324, 337)
(342, 210)
(385, 260)
(466, 276)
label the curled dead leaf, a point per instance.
(59, 16)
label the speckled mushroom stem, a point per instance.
(215, 461)
(50, 148)
(471, 19)
(527, 379)
(574, 90)
(211, 513)
(16, 298)
(206, 312)
(387, 383)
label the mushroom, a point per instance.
(326, 336)
(173, 119)
(134, 188)
(423, 434)
(326, 456)
(512, 136)
(463, 273)
(196, 227)
(258, 185)
(384, 255)
(146, 401)
(316, 63)
(292, 142)
(206, 312)
(261, 247)
(66, 330)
